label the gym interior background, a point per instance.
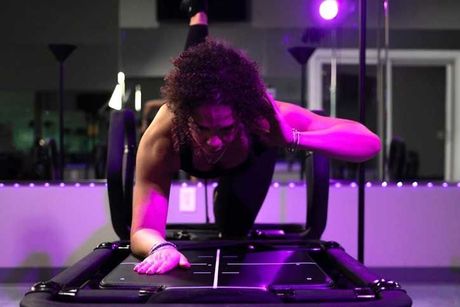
(413, 103)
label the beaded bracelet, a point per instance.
(156, 247)
(292, 147)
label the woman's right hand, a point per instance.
(162, 261)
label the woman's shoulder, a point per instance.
(157, 140)
(161, 125)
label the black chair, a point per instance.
(121, 153)
(397, 159)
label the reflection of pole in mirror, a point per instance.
(187, 199)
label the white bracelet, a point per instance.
(293, 146)
(157, 246)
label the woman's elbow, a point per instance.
(372, 147)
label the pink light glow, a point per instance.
(329, 9)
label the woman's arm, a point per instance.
(155, 164)
(337, 138)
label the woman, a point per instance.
(219, 122)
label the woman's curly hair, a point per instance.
(214, 73)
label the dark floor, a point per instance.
(422, 294)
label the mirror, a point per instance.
(139, 38)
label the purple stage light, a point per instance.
(329, 9)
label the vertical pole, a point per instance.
(362, 119)
(386, 101)
(303, 100)
(303, 103)
(61, 121)
(333, 86)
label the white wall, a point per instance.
(405, 227)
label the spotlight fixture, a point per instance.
(329, 9)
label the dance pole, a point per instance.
(362, 119)
(61, 52)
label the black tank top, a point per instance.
(186, 161)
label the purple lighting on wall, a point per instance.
(329, 9)
(275, 184)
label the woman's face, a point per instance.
(213, 127)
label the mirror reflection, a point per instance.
(410, 78)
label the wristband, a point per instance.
(293, 146)
(156, 247)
